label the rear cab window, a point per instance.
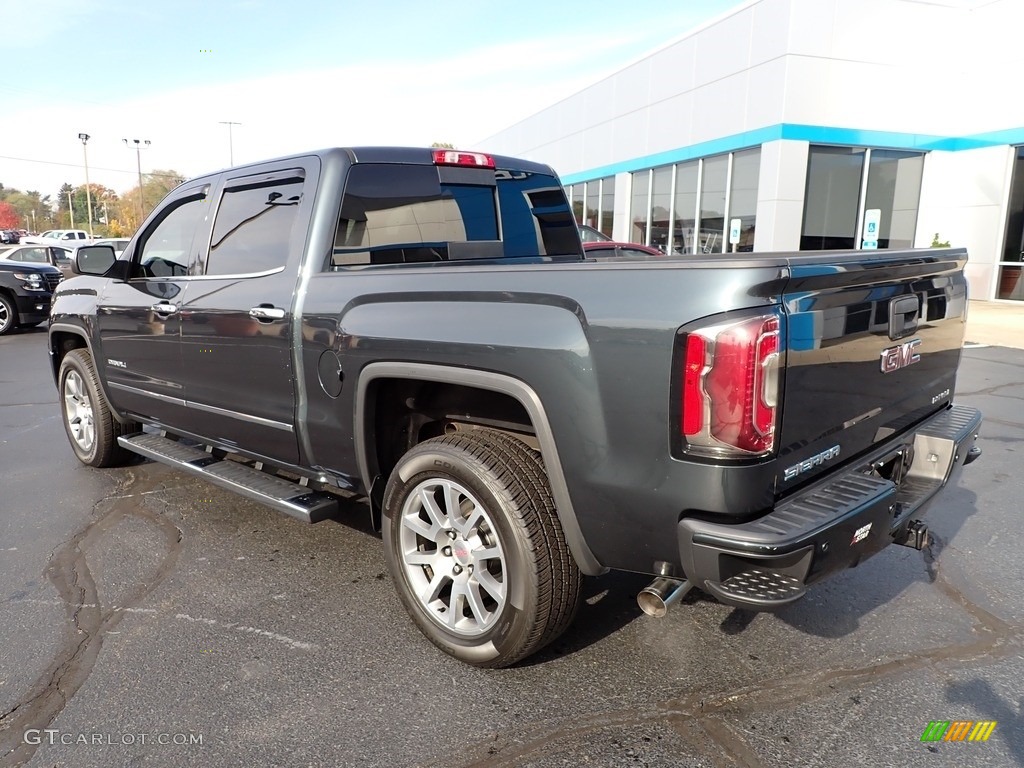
(405, 213)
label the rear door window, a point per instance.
(254, 225)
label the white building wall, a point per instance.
(963, 200)
(780, 195)
(906, 74)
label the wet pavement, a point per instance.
(139, 606)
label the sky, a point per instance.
(297, 75)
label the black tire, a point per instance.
(86, 412)
(8, 314)
(540, 580)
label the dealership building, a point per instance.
(788, 125)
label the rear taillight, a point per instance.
(455, 157)
(730, 388)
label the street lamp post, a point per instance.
(139, 143)
(88, 195)
(231, 144)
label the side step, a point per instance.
(280, 494)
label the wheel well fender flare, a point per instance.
(56, 356)
(496, 382)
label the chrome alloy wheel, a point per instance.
(5, 316)
(78, 412)
(452, 557)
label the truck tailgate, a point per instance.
(873, 345)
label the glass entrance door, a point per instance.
(1010, 284)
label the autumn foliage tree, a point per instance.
(9, 217)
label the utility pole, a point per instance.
(88, 194)
(139, 143)
(231, 144)
(71, 210)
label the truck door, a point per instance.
(137, 319)
(236, 321)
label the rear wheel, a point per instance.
(8, 314)
(88, 421)
(476, 550)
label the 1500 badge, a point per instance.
(900, 356)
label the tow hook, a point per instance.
(656, 597)
(916, 536)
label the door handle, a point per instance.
(163, 308)
(266, 313)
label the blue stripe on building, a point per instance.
(814, 134)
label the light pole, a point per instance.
(88, 195)
(139, 143)
(231, 145)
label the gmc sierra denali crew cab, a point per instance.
(25, 293)
(421, 327)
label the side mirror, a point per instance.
(93, 260)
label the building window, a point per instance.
(1011, 275)
(832, 197)
(684, 218)
(576, 196)
(833, 205)
(638, 209)
(661, 205)
(593, 198)
(746, 171)
(714, 178)
(894, 188)
(607, 205)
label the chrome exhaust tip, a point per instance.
(656, 597)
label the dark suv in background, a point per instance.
(25, 293)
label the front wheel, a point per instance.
(476, 550)
(8, 315)
(88, 421)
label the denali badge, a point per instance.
(900, 356)
(811, 463)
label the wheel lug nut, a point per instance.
(452, 535)
(456, 569)
(447, 551)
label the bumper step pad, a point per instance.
(758, 588)
(276, 492)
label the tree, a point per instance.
(8, 217)
(155, 187)
(65, 217)
(33, 209)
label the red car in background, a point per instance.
(612, 250)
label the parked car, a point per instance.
(9, 236)
(613, 250)
(25, 293)
(591, 235)
(52, 236)
(117, 243)
(54, 255)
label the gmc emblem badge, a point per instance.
(900, 356)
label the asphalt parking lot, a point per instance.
(143, 612)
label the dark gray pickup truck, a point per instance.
(421, 327)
